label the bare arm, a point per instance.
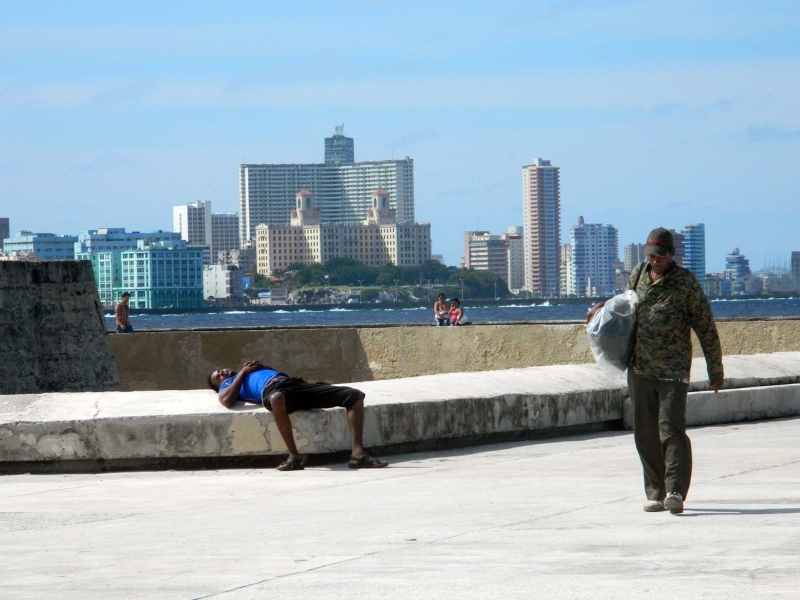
(230, 394)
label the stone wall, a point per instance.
(52, 334)
(182, 360)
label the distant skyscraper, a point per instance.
(565, 271)
(339, 150)
(634, 254)
(485, 252)
(5, 230)
(595, 252)
(796, 267)
(695, 244)
(679, 240)
(193, 222)
(342, 190)
(515, 252)
(224, 233)
(541, 208)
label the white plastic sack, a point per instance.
(612, 333)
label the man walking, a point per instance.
(671, 304)
(122, 315)
(282, 395)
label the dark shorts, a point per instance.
(307, 396)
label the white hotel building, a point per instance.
(374, 241)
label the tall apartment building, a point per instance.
(795, 267)
(193, 222)
(634, 254)
(515, 250)
(679, 240)
(5, 230)
(377, 240)
(595, 252)
(114, 252)
(541, 208)
(224, 233)
(486, 252)
(342, 190)
(695, 244)
(339, 149)
(45, 246)
(565, 271)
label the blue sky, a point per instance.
(658, 113)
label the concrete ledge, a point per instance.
(163, 429)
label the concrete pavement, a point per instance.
(558, 519)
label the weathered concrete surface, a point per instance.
(182, 359)
(52, 332)
(559, 519)
(409, 413)
(192, 424)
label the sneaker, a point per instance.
(674, 503)
(653, 506)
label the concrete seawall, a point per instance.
(182, 360)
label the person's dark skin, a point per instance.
(659, 266)
(228, 396)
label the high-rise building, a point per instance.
(486, 252)
(679, 241)
(565, 271)
(541, 208)
(796, 267)
(224, 233)
(634, 254)
(307, 240)
(5, 230)
(695, 244)
(515, 251)
(737, 269)
(342, 191)
(339, 149)
(595, 252)
(222, 282)
(45, 246)
(193, 222)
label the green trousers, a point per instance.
(659, 427)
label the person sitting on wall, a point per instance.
(122, 315)
(282, 395)
(457, 316)
(441, 311)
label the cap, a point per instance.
(659, 242)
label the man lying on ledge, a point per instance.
(282, 395)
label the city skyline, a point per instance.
(656, 115)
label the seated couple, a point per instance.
(282, 395)
(448, 314)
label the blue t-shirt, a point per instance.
(253, 384)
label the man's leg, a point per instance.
(645, 432)
(676, 446)
(277, 403)
(355, 419)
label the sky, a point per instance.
(657, 113)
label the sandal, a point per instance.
(293, 463)
(366, 462)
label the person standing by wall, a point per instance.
(671, 305)
(122, 314)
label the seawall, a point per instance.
(182, 360)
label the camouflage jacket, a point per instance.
(667, 311)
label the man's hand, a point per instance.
(717, 384)
(250, 366)
(590, 314)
